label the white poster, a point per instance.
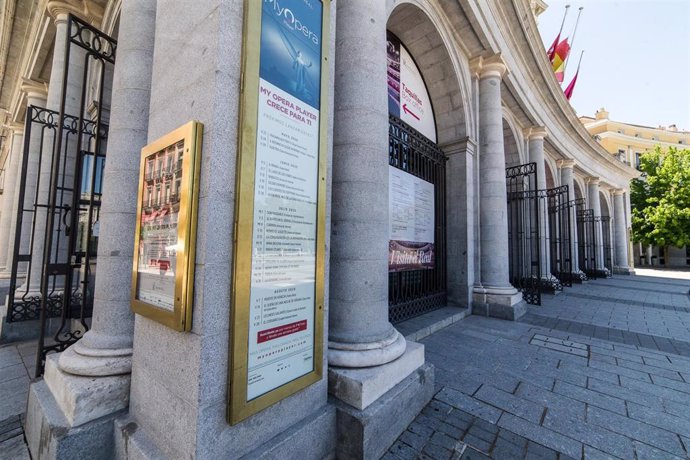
(411, 220)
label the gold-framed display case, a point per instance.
(276, 346)
(165, 239)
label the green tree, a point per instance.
(660, 199)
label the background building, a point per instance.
(627, 142)
(524, 202)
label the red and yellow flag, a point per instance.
(560, 55)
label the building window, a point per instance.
(637, 160)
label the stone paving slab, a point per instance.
(617, 385)
(16, 367)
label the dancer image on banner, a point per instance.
(301, 67)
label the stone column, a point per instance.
(535, 136)
(568, 178)
(91, 378)
(359, 332)
(495, 296)
(595, 205)
(620, 234)
(59, 11)
(368, 358)
(460, 220)
(9, 210)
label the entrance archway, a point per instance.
(425, 112)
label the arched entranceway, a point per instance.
(427, 111)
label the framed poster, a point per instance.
(165, 239)
(276, 345)
(411, 221)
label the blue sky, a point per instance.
(637, 58)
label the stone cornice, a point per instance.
(491, 66)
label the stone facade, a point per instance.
(132, 388)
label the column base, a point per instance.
(623, 271)
(503, 303)
(358, 355)
(362, 387)
(369, 433)
(50, 436)
(69, 414)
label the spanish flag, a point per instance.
(560, 55)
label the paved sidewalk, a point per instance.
(17, 361)
(599, 371)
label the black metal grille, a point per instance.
(64, 199)
(412, 293)
(587, 243)
(559, 234)
(524, 250)
(606, 245)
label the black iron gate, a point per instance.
(524, 252)
(606, 245)
(415, 292)
(559, 234)
(587, 243)
(60, 196)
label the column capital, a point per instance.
(59, 9)
(466, 144)
(535, 132)
(618, 191)
(34, 88)
(491, 66)
(16, 128)
(565, 163)
(592, 180)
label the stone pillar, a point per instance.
(460, 220)
(568, 178)
(535, 136)
(494, 296)
(59, 10)
(359, 332)
(620, 234)
(11, 178)
(595, 206)
(90, 381)
(648, 254)
(368, 358)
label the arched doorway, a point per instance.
(419, 83)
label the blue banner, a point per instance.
(291, 47)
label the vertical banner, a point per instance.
(408, 98)
(278, 279)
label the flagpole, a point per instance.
(564, 16)
(572, 42)
(552, 49)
